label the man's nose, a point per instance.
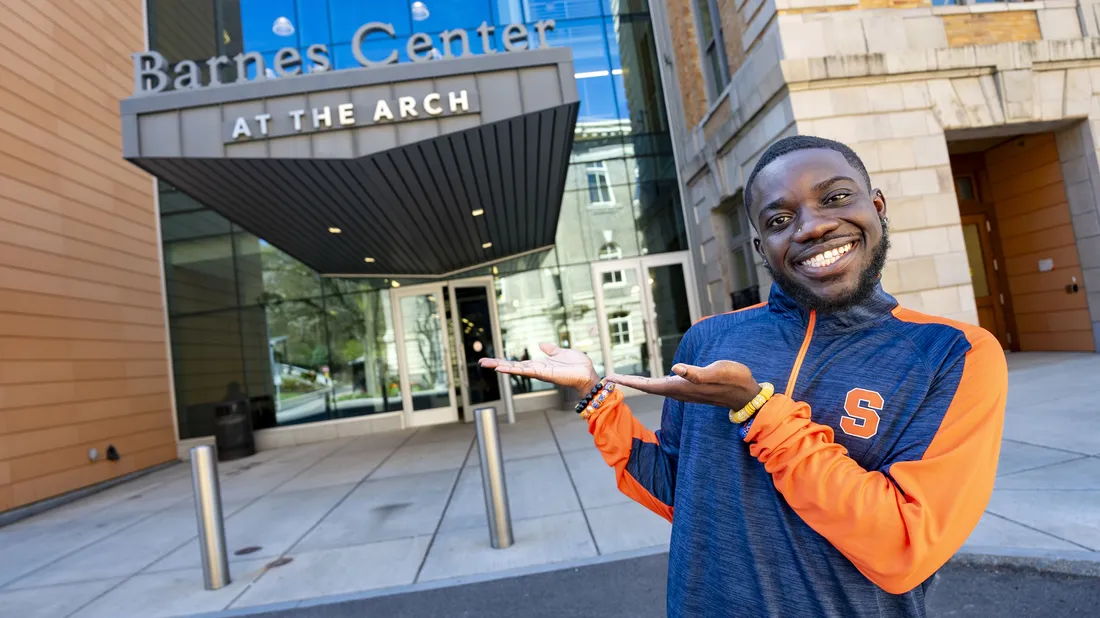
(812, 225)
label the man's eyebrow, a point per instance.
(775, 204)
(825, 184)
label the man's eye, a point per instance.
(836, 197)
(778, 221)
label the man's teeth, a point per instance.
(821, 260)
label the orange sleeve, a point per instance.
(644, 470)
(897, 529)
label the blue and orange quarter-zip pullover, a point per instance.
(866, 471)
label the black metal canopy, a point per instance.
(477, 183)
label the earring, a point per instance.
(886, 221)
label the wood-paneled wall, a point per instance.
(1033, 215)
(83, 361)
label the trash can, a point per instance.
(233, 430)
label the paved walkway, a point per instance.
(406, 508)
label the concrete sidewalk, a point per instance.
(406, 508)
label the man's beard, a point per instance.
(868, 282)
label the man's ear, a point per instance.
(759, 249)
(879, 201)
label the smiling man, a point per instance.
(861, 460)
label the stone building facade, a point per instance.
(980, 123)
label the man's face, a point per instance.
(820, 229)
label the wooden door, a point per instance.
(983, 273)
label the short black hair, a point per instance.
(795, 143)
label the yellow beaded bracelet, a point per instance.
(752, 407)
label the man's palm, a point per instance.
(562, 367)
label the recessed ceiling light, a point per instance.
(334, 230)
(496, 271)
(369, 260)
(478, 212)
(486, 245)
(396, 284)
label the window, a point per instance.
(715, 67)
(611, 251)
(619, 329)
(964, 188)
(599, 184)
(743, 285)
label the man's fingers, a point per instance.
(527, 369)
(691, 373)
(669, 387)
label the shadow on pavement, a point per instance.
(636, 588)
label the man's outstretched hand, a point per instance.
(723, 383)
(562, 367)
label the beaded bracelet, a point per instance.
(594, 400)
(752, 407)
(589, 397)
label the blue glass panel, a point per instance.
(268, 25)
(597, 100)
(376, 49)
(562, 9)
(507, 12)
(439, 15)
(586, 38)
(348, 15)
(269, 64)
(313, 22)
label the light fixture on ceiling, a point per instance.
(496, 271)
(282, 27)
(334, 230)
(395, 284)
(420, 11)
(478, 212)
(368, 260)
(486, 245)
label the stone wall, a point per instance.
(808, 27)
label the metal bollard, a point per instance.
(492, 478)
(509, 403)
(208, 511)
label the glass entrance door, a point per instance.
(476, 336)
(646, 305)
(424, 355)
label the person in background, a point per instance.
(820, 454)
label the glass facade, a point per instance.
(247, 319)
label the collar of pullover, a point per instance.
(872, 310)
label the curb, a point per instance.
(1079, 564)
(1075, 563)
(462, 580)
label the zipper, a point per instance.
(801, 353)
